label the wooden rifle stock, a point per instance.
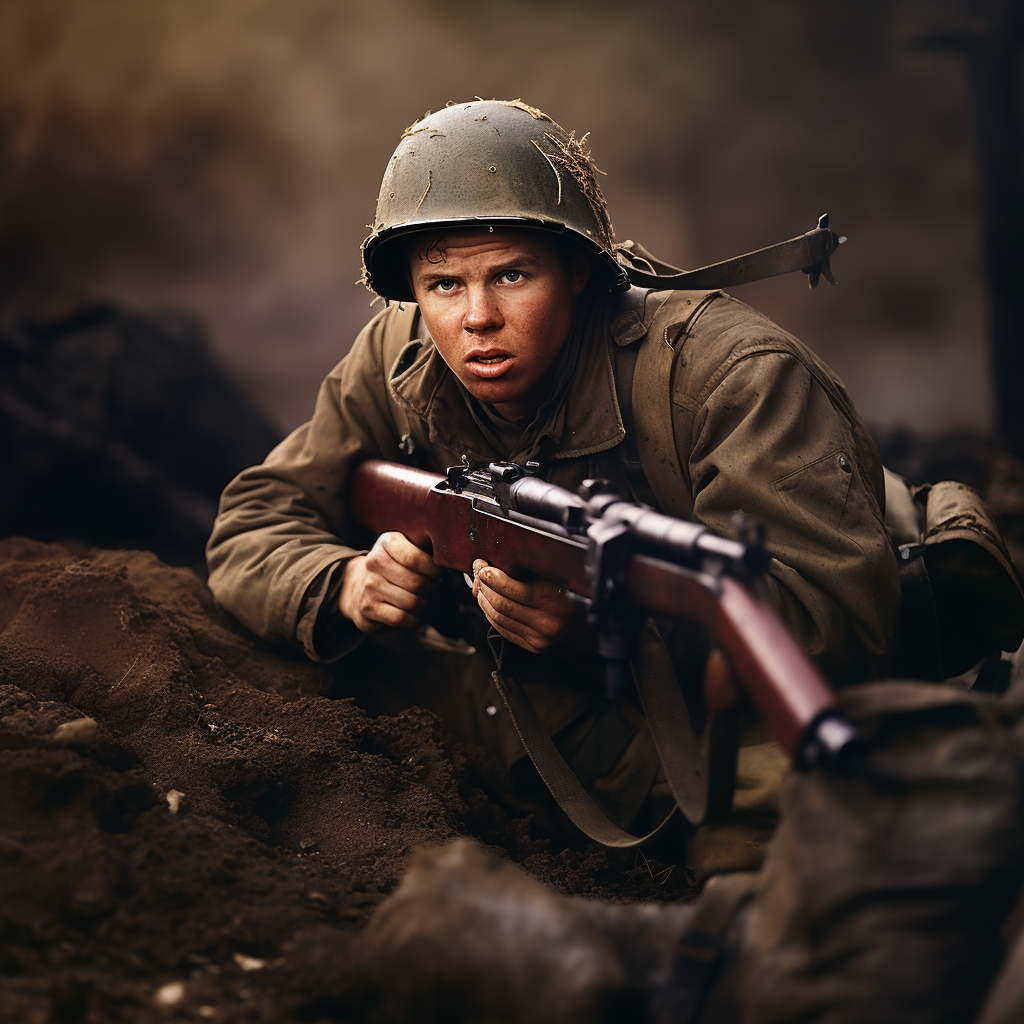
(458, 528)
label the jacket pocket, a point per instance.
(820, 488)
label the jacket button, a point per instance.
(844, 463)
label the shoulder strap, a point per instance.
(643, 384)
(404, 332)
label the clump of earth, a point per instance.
(189, 827)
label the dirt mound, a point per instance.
(187, 826)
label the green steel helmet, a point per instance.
(493, 162)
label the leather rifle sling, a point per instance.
(579, 806)
(702, 786)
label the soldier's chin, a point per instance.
(494, 391)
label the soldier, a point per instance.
(511, 332)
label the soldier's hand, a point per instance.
(532, 615)
(388, 586)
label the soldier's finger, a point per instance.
(537, 620)
(365, 625)
(387, 569)
(389, 615)
(405, 553)
(519, 641)
(384, 592)
(511, 628)
(381, 563)
(542, 594)
(501, 583)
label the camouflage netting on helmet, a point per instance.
(886, 889)
(487, 162)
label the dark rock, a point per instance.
(119, 428)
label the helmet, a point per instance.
(495, 162)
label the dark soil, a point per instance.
(297, 814)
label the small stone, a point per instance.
(307, 844)
(81, 730)
(170, 995)
(249, 963)
(174, 798)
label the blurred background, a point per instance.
(223, 157)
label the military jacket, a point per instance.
(761, 425)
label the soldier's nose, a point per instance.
(481, 314)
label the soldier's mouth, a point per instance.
(489, 364)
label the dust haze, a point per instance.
(225, 157)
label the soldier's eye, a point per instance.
(445, 285)
(512, 276)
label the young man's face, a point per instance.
(499, 307)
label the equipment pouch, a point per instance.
(962, 598)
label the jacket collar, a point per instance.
(592, 421)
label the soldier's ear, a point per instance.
(580, 270)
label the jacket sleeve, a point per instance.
(281, 524)
(770, 441)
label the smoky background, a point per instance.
(224, 157)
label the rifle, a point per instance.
(623, 559)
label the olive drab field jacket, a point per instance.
(759, 424)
